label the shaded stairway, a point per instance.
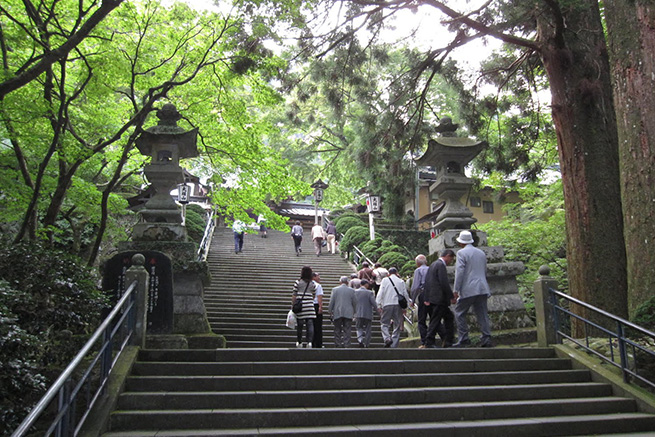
(469, 392)
(250, 293)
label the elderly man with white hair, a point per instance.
(342, 309)
(388, 299)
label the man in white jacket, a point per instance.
(387, 300)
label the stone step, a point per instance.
(538, 426)
(272, 354)
(344, 366)
(326, 398)
(364, 415)
(349, 381)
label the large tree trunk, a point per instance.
(631, 37)
(573, 50)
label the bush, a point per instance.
(393, 259)
(374, 249)
(347, 221)
(48, 304)
(195, 225)
(197, 209)
(408, 269)
(415, 242)
(337, 212)
(354, 237)
(21, 383)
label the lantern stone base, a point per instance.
(159, 232)
(189, 279)
(180, 341)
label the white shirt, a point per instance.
(387, 294)
(319, 292)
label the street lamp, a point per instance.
(318, 187)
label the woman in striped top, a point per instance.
(305, 286)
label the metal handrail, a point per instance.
(203, 248)
(624, 343)
(64, 422)
(358, 255)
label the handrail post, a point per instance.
(138, 273)
(623, 353)
(546, 329)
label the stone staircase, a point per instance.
(469, 392)
(262, 384)
(250, 294)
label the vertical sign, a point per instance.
(183, 193)
(374, 204)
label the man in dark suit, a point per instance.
(437, 298)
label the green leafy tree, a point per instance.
(68, 138)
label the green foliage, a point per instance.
(407, 270)
(197, 209)
(355, 236)
(48, 303)
(347, 221)
(534, 233)
(61, 292)
(414, 242)
(394, 259)
(195, 224)
(644, 315)
(21, 383)
(80, 140)
(374, 249)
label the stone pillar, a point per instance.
(139, 274)
(546, 334)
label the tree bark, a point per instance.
(631, 38)
(574, 53)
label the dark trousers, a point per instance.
(238, 241)
(318, 328)
(440, 312)
(296, 241)
(423, 312)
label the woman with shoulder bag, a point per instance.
(304, 289)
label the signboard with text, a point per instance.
(373, 203)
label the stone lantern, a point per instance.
(450, 155)
(176, 311)
(166, 143)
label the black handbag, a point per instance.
(402, 301)
(297, 305)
